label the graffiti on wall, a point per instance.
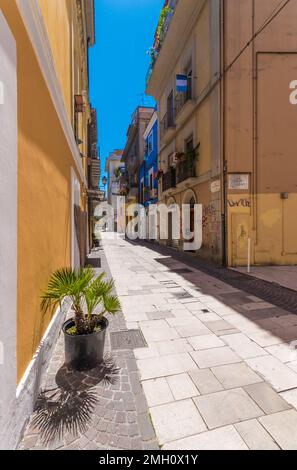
(242, 202)
(208, 212)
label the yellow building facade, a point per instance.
(45, 116)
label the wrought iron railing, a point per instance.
(155, 50)
(185, 169)
(169, 179)
(182, 98)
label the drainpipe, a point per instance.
(224, 189)
(253, 182)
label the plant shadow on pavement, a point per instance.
(69, 406)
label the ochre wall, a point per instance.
(57, 15)
(69, 54)
(44, 192)
(260, 132)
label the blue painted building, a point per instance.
(148, 182)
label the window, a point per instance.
(151, 181)
(169, 161)
(189, 89)
(141, 191)
(150, 143)
(170, 111)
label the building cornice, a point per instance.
(180, 29)
(150, 125)
(90, 21)
(33, 21)
(82, 23)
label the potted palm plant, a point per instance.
(92, 298)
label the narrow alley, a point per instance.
(216, 365)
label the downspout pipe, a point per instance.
(224, 190)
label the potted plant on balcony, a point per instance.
(118, 173)
(193, 154)
(180, 156)
(91, 298)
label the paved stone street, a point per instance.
(218, 371)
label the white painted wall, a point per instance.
(8, 232)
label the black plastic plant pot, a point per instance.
(83, 352)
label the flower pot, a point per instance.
(84, 352)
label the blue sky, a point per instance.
(118, 65)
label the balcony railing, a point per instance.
(169, 179)
(160, 37)
(95, 172)
(182, 98)
(184, 170)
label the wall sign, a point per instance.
(239, 181)
(215, 186)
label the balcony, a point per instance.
(169, 180)
(161, 32)
(182, 101)
(95, 172)
(132, 194)
(95, 195)
(185, 170)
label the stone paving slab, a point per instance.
(225, 438)
(228, 407)
(157, 391)
(193, 329)
(290, 396)
(165, 365)
(283, 428)
(235, 375)
(284, 352)
(243, 346)
(279, 375)
(215, 357)
(176, 420)
(182, 386)
(266, 398)
(205, 342)
(205, 381)
(255, 436)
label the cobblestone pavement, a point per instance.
(102, 409)
(219, 370)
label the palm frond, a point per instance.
(66, 282)
(96, 292)
(111, 304)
